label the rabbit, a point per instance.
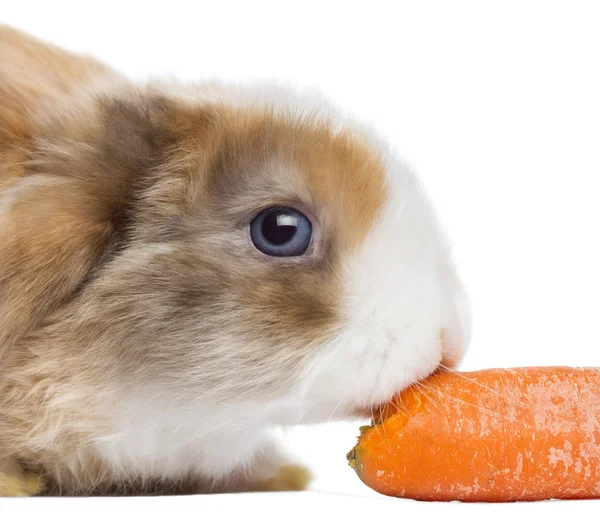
(185, 267)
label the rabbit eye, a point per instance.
(281, 232)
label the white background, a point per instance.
(496, 104)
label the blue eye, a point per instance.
(281, 232)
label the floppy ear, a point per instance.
(50, 235)
(69, 188)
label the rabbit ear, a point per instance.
(68, 186)
(50, 237)
(69, 182)
(50, 242)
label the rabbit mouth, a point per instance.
(375, 413)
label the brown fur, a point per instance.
(44, 254)
(88, 302)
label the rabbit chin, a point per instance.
(365, 368)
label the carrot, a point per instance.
(495, 435)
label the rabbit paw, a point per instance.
(14, 482)
(292, 477)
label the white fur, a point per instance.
(155, 435)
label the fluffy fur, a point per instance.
(145, 345)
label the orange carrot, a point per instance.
(495, 435)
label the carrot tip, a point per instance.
(351, 458)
